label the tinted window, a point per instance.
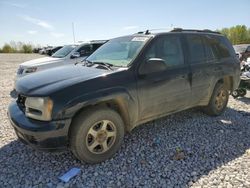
(85, 50)
(211, 47)
(196, 49)
(222, 46)
(167, 48)
(96, 46)
(229, 46)
(210, 53)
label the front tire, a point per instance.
(96, 135)
(218, 101)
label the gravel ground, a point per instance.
(188, 149)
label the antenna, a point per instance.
(73, 31)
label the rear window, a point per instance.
(196, 49)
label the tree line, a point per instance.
(17, 47)
(238, 34)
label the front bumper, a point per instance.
(52, 135)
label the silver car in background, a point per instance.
(69, 54)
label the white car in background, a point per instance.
(69, 54)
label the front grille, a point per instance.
(21, 101)
(20, 70)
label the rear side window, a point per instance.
(212, 48)
(196, 49)
(222, 46)
(217, 47)
(229, 46)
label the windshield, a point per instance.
(64, 51)
(120, 51)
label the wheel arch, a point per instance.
(118, 104)
(227, 81)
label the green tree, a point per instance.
(238, 34)
(7, 49)
(27, 48)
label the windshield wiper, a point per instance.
(103, 63)
(89, 63)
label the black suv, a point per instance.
(128, 81)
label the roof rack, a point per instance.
(194, 30)
(147, 32)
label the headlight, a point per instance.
(38, 108)
(30, 69)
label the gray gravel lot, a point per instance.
(213, 151)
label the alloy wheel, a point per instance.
(101, 137)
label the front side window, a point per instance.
(85, 50)
(120, 51)
(167, 48)
(64, 51)
(196, 49)
(96, 46)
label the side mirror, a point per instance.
(153, 65)
(75, 55)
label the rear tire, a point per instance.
(218, 101)
(96, 135)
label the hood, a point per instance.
(41, 61)
(45, 82)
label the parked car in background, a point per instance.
(44, 49)
(69, 54)
(242, 51)
(51, 51)
(128, 81)
(36, 50)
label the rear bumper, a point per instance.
(49, 136)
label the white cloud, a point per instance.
(32, 32)
(132, 27)
(17, 5)
(57, 35)
(38, 22)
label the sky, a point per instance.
(49, 22)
